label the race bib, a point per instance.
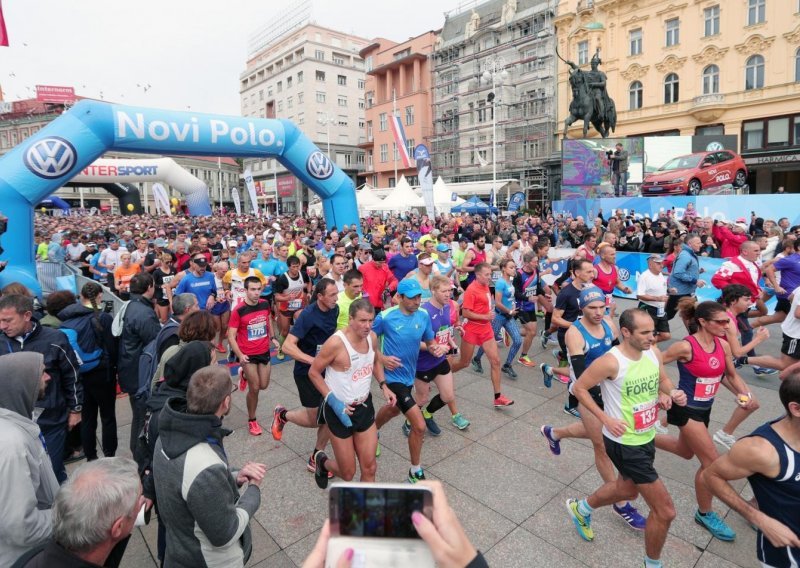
(645, 416)
(609, 299)
(705, 389)
(495, 276)
(294, 305)
(257, 330)
(661, 311)
(443, 336)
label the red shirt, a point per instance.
(376, 280)
(478, 299)
(606, 281)
(252, 327)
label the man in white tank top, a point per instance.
(349, 360)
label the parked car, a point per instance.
(693, 173)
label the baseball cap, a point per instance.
(589, 295)
(379, 255)
(441, 247)
(656, 258)
(232, 244)
(92, 244)
(161, 242)
(427, 261)
(365, 246)
(409, 288)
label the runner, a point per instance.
(477, 309)
(401, 329)
(162, 276)
(353, 284)
(651, 291)
(250, 335)
(444, 265)
(587, 340)
(221, 310)
(291, 291)
(704, 361)
(349, 361)
(233, 279)
(607, 276)
(633, 382)
(528, 289)
(474, 256)
(422, 274)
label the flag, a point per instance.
(251, 190)
(236, 202)
(482, 162)
(425, 173)
(160, 197)
(516, 201)
(400, 140)
(3, 33)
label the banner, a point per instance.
(425, 174)
(251, 190)
(236, 202)
(3, 33)
(53, 94)
(160, 198)
(516, 201)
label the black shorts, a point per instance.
(441, 369)
(672, 304)
(260, 359)
(363, 418)
(561, 335)
(783, 305)
(680, 415)
(526, 316)
(310, 397)
(791, 347)
(163, 302)
(662, 323)
(597, 395)
(633, 462)
(405, 400)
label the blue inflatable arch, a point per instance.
(46, 161)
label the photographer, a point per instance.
(619, 169)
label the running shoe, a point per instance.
(254, 427)
(431, 424)
(501, 401)
(509, 370)
(738, 362)
(544, 339)
(406, 428)
(242, 379)
(552, 339)
(558, 357)
(715, 525)
(660, 428)
(631, 515)
(572, 412)
(280, 355)
(724, 439)
(540, 314)
(555, 445)
(583, 523)
(547, 374)
(321, 475)
(476, 366)
(221, 348)
(414, 477)
(312, 465)
(764, 372)
(506, 337)
(378, 450)
(277, 422)
(459, 421)
(527, 361)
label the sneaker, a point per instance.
(764, 372)
(476, 366)
(415, 477)
(242, 379)
(583, 523)
(254, 427)
(660, 428)
(378, 450)
(540, 314)
(501, 401)
(431, 424)
(506, 337)
(558, 357)
(552, 339)
(277, 422)
(321, 475)
(280, 355)
(312, 465)
(631, 515)
(544, 339)
(459, 421)
(715, 525)
(738, 362)
(221, 348)
(509, 370)
(527, 361)
(724, 439)
(406, 428)
(555, 445)
(547, 374)
(572, 412)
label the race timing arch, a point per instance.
(53, 156)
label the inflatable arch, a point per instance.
(53, 156)
(126, 194)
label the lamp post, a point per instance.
(327, 121)
(494, 73)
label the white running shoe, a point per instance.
(724, 439)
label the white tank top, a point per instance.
(352, 384)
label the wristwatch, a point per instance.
(76, 409)
(381, 384)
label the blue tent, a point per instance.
(474, 206)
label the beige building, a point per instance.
(696, 67)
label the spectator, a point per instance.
(730, 239)
(56, 252)
(404, 262)
(56, 302)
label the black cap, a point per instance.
(379, 255)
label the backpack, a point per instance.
(82, 335)
(148, 360)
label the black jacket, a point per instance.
(103, 336)
(140, 327)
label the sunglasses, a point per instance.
(721, 321)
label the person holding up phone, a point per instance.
(349, 361)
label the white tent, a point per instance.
(443, 197)
(402, 198)
(367, 199)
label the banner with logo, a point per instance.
(236, 202)
(516, 201)
(251, 190)
(425, 174)
(160, 198)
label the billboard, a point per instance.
(53, 94)
(287, 185)
(586, 166)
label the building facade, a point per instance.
(313, 76)
(513, 42)
(398, 80)
(696, 67)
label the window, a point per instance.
(392, 182)
(711, 18)
(410, 147)
(369, 130)
(361, 83)
(673, 28)
(482, 111)
(361, 104)
(409, 115)
(368, 64)
(382, 119)
(796, 140)
(756, 12)
(360, 159)
(369, 159)
(280, 106)
(299, 77)
(635, 92)
(342, 101)
(289, 102)
(280, 86)
(320, 97)
(320, 76)
(583, 52)
(778, 132)
(797, 65)
(710, 130)
(671, 85)
(711, 80)
(319, 54)
(337, 59)
(300, 97)
(288, 83)
(341, 80)
(754, 73)
(261, 95)
(301, 118)
(384, 152)
(753, 134)
(635, 41)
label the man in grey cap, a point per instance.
(363, 254)
(152, 259)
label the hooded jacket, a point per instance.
(140, 327)
(685, 272)
(103, 337)
(28, 486)
(207, 520)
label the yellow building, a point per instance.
(691, 67)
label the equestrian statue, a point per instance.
(590, 100)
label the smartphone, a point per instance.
(374, 519)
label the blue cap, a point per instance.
(441, 247)
(410, 288)
(589, 295)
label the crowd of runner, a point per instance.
(409, 303)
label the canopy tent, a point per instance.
(402, 198)
(443, 198)
(367, 198)
(473, 206)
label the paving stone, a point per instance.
(137, 553)
(483, 526)
(524, 550)
(277, 560)
(263, 545)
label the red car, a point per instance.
(690, 174)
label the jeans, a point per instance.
(55, 436)
(620, 181)
(99, 394)
(510, 325)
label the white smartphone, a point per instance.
(374, 519)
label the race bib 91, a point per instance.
(705, 389)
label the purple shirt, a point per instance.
(789, 268)
(440, 322)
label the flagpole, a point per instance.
(394, 114)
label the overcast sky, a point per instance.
(190, 52)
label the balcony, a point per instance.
(708, 108)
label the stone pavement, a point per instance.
(499, 476)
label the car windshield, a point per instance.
(682, 163)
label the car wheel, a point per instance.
(740, 179)
(694, 187)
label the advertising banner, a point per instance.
(516, 201)
(53, 94)
(425, 173)
(236, 201)
(251, 190)
(287, 185)
(160, 198)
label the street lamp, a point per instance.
(494, 73)
(327, 121)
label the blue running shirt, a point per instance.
(400, 336)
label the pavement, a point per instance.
(499, 477)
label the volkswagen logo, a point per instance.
(319, 166)
(714, 146)
(50, 158)
(624, 275)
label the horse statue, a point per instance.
(590, 100)
(582, 105)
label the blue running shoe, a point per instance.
(572, 412)
(764, 372)
(631, 515)
(547, 374)
(583, 523)
(715, 525)
(406, 428)
(431, 424)
(414, 477)
(555, 445)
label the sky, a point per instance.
(171, 54)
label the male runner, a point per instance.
(651, 291)
(291, 293)
(528, 288)
(233, 280)
(474, 256)
(633, 383)
(353, 284)
(249, 335)
(349, 360)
